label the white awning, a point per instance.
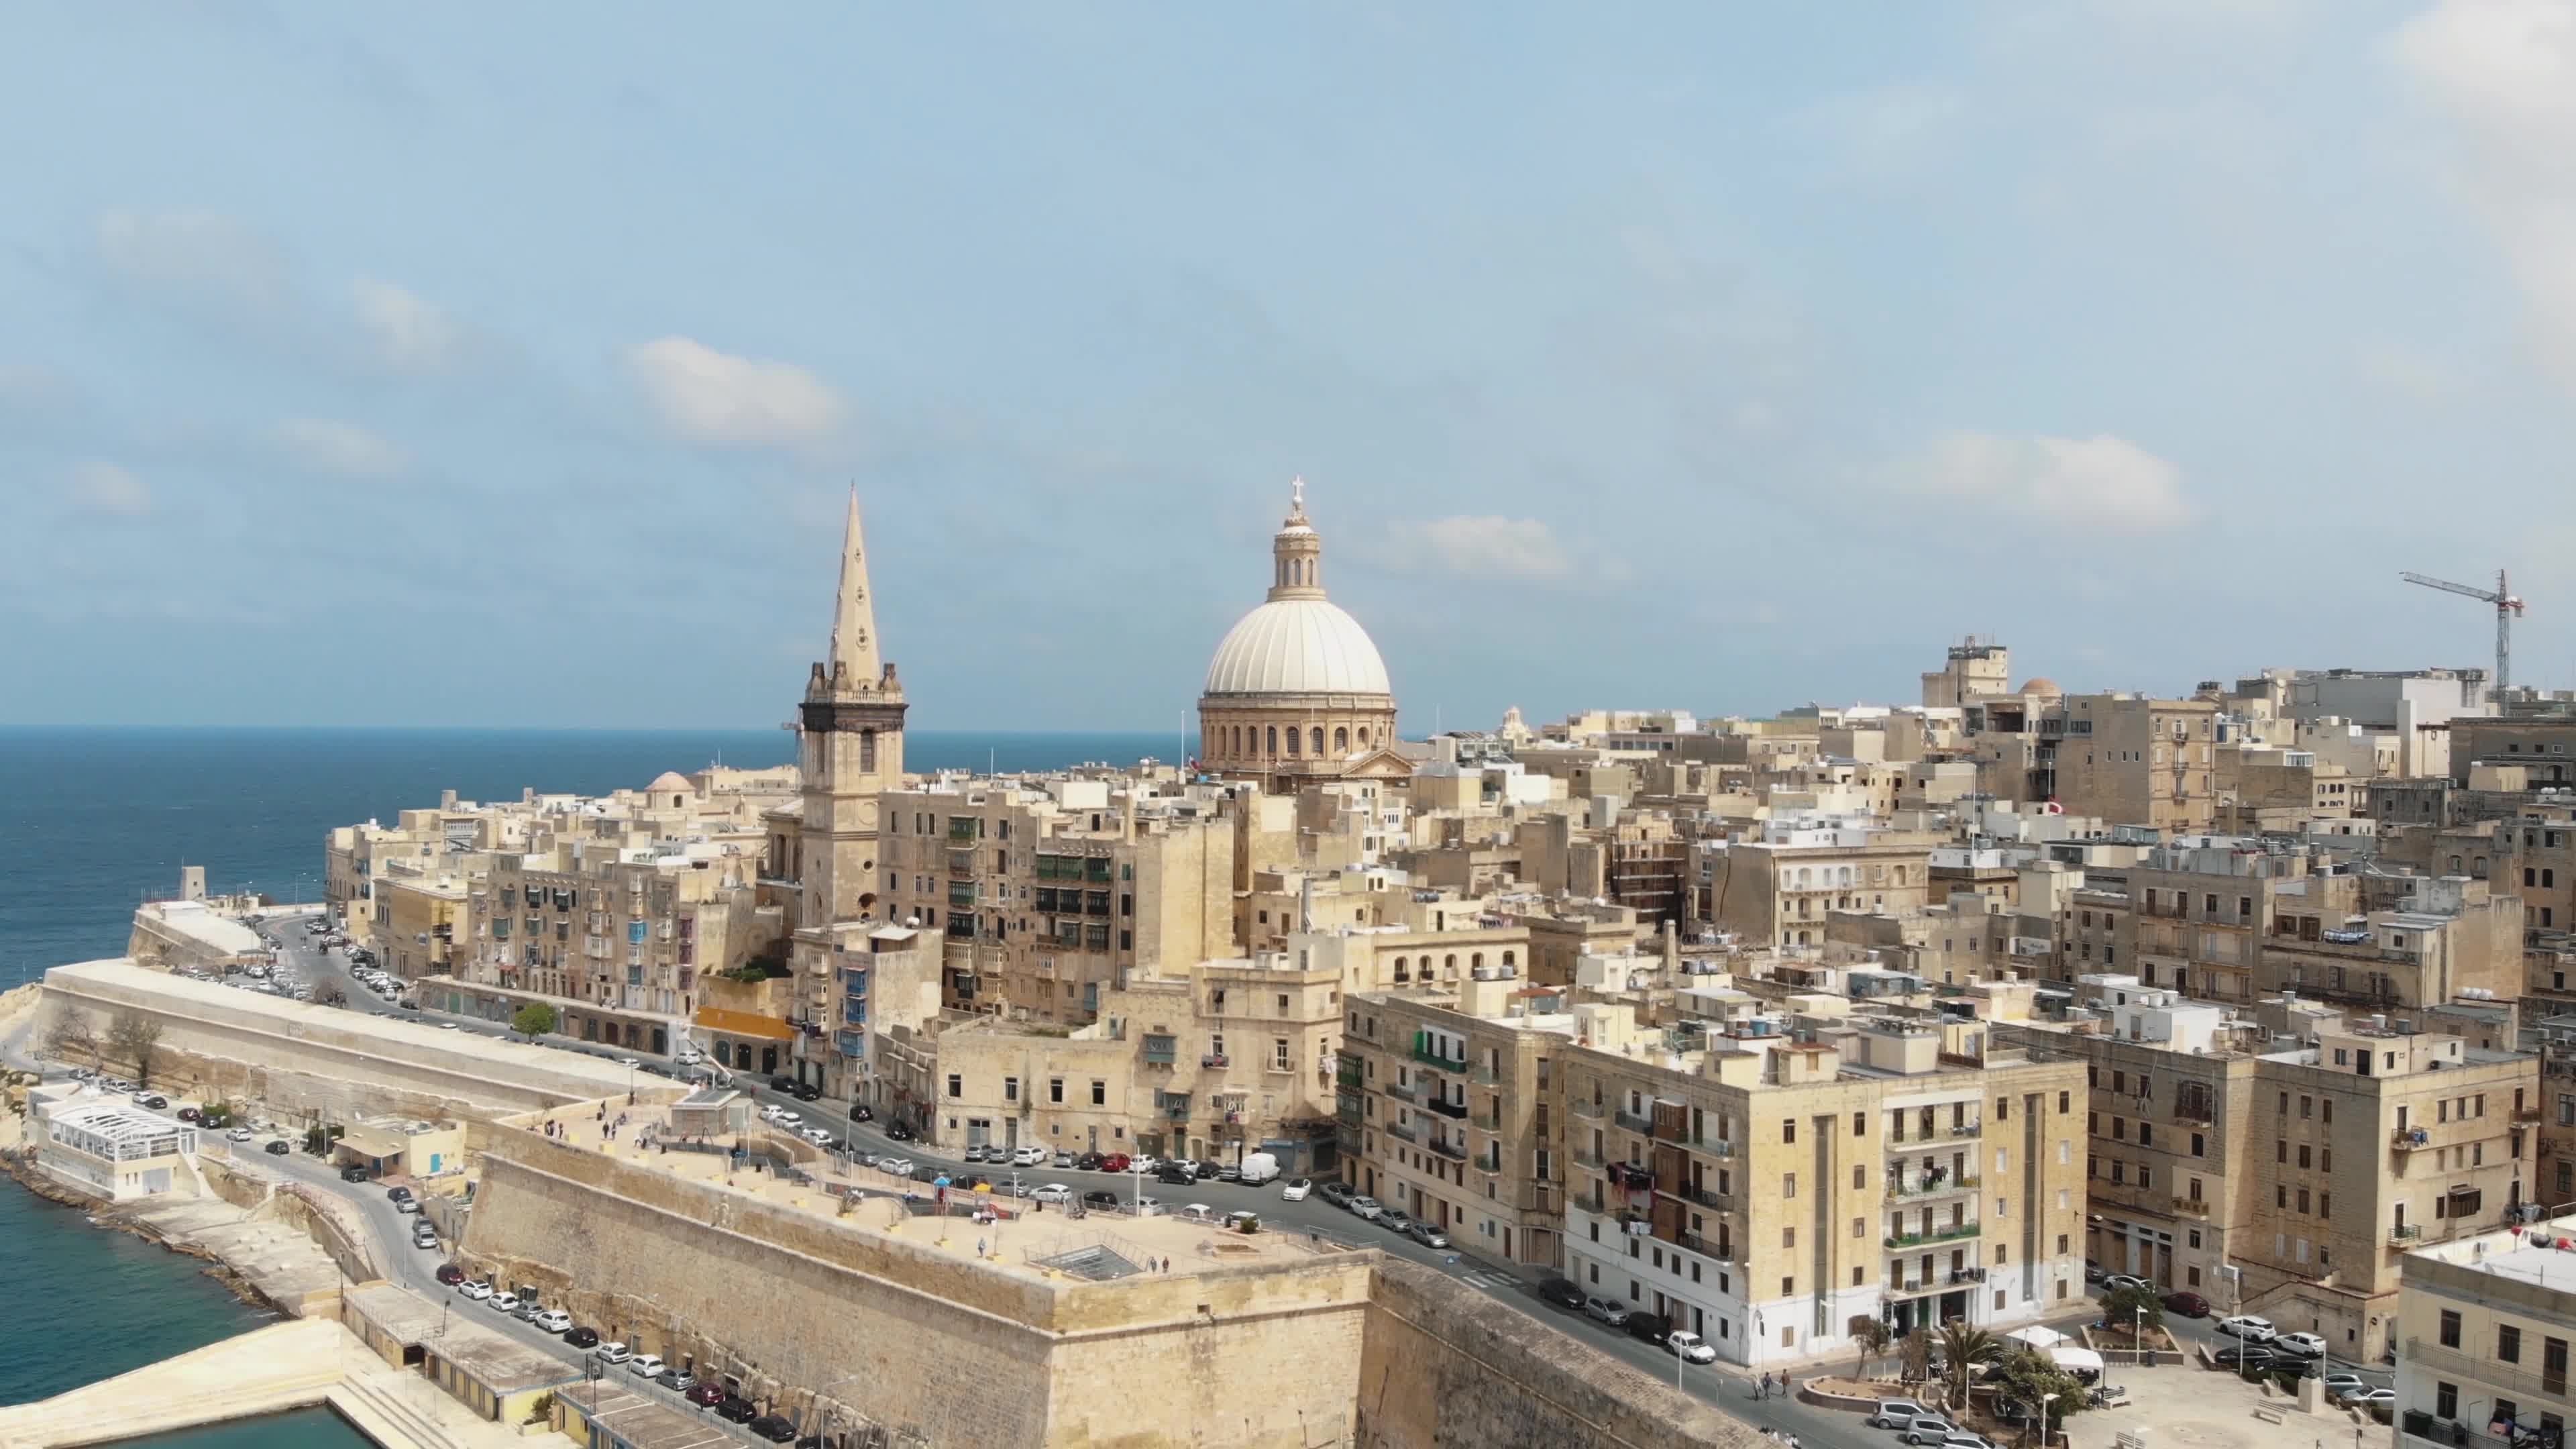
(2076, 1358)
(2037, 1336)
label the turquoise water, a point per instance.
(93, 820)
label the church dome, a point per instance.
(1297, 646)
(2040, 686)
(670, 782)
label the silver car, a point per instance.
(1367, 1207)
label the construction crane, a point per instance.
(2506, 606)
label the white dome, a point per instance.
(1297, 646)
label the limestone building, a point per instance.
(849, 752)
(1297, 691)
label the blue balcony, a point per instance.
(852, 1043)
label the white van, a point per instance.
(1259, 1168)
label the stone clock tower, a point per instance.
(850, 746)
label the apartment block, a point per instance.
(2281, 1161)
(2483, 1330)
(1779, 883)
(1763, 1181)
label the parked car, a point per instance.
(1563, 1292)
(2369, 1398)
(2188, 1305)
(1339, 1194)
(2245, 1356)
(527, 1311)
(478, 1290)
(190, 1115)
(1175, 1175)
(425, 1240)
(772, 1428)
(2338, 1384)
(735, 1409)
(406, 1205)
(502, 1302)
(278, 1147)
(1115, 1162)
(1689, 1347)
(2118, 1281)
(553, 1320)
(1295, 1189)
(901, 1133)
(2299, 1345)
(398, 1192)
(899, 1166)
(706, 1396)
(450, 1275)
(1144, 1162)
(1605, 1311)
(1100, 1201)
(353, 1173)
(1367, 1207)
(2247, 1327)
(1651, 1328)
(1089, 1161)
(1427, 1235)
(614, 1352)
(1929, 1429)
(1896, 1413)
(974, 1153)
(862, 1112)
(1030, 1157)
(1149, 1207)
(644, 1365)
(808, 1092)
(582, 1338)
(1965, 1440)
(1054, 1192)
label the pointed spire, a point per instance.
(854, 616)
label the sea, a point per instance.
(95, 821)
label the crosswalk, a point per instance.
(1492, 1278)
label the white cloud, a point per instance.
(343, 449)
(108, 490)
(1891, 133)
(201, 254)
(2395, 368)
(715, 397)
(2100, 482)
(1483, 546)
(2504, 73)
(407, 332)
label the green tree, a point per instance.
(533, 1020)
(1871, 1338)
(2126, 1308)
(1963, 1347)
(2031, 1378)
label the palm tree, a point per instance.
(1872, 1338)
(1964, 1345)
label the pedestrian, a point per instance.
(979, 1247)
(1766, 1384)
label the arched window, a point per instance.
(1450, 963)
(2455, 865)
(1802, 877)
(1476, 961)
(1507, 958)
(1293, 739)
(2478, 867)
(1341, 741)
(1900, 875)
(1274, 741)
(1364, 737)
(1318, 734)
(1400, 976)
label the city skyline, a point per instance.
(1723, 370)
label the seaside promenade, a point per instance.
(292, 1365)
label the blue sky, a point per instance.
(506, 364)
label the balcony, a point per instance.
(1429, 1055)
(2404, 1233)
(1482, 1075)
(1541, 1197)
(1450, 1150)
(1630, 1121)
(2527, 1114)
(1404, 1091)
(1708, 1198)
(1714, 1146)
(1401, 1132)
(1590, 1110)
(1951, 1234)
(1584, 1158)
(1912, 1190)
(2191, 1207)
(1957, 1130)
(1702, 1246)
(2407, 1139)
(1348, 1074)
(1213, 1062)
(1456, 1111)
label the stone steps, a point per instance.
(377, 1402)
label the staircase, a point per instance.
(385, 1408)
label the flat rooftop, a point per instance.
(499, 1361)
(1033, 1243)
(640, 1422)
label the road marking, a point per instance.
(1493, 1278)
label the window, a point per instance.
(1788, 1237)
(1010, 1089)
(956, 1085)
(1788, 1185)
(1055, 1089)
(1860, 1124)
(2450, 1331)
(1860, 1227)
(2446, 1401)
(1100, 1094)
(2508, 1343)
(1789, 1129)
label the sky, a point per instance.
(508, 365)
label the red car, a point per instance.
(706, 1396)
(2189, 1305)
(450, 1274)
(1115, 1162)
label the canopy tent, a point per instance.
(2077, 1360)
(2037, 1336)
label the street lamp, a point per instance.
(2044, 1401)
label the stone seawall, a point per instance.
(1447, 1368)
(917, 1337)
(307, 1062)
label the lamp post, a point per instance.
(2044, 1401)
(2138, 1333)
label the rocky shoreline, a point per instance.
(105, 1214)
